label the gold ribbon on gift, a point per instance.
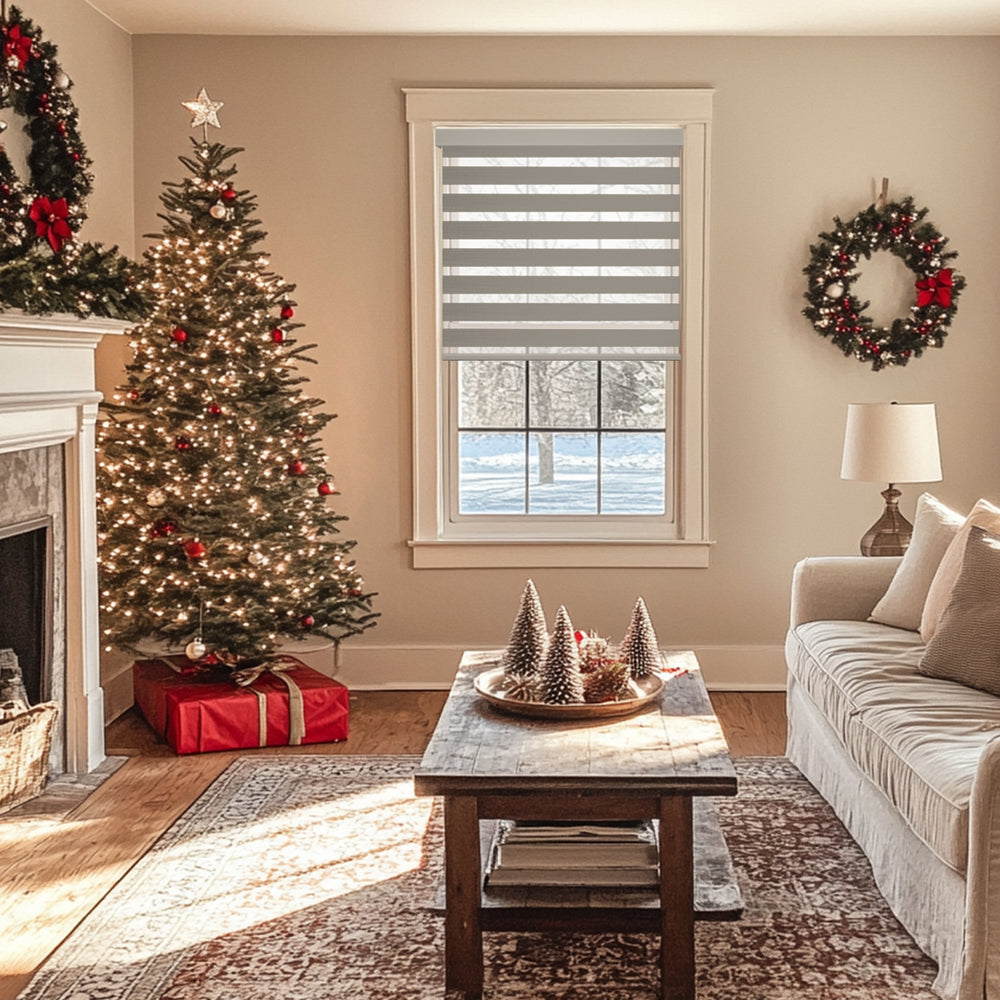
(296, 708)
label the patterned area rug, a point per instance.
(308, 877)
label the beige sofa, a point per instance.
(910, 763)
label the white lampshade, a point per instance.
(891, 443)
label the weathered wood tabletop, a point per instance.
(675, 742)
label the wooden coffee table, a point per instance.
(659, 763)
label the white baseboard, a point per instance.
(424, 668)
(742, 668)
(116, 680)
(415, 668)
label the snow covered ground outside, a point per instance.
(492, 474)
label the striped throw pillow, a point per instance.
(966, 644)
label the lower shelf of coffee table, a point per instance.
(637, 910)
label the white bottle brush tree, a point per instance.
(525, 650)
(639, 648)
(214, 510)
(561, 679)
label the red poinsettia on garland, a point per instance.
(50, 218)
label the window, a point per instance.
(558, 246)
(566, 439)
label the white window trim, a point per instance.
(434, 545)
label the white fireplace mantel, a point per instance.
(48, 397)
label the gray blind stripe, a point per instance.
(535, 311)
(590, 137)
(557, 354)
(554, 354)
(563, 338)
(540, 284)
(560, 230)
(559, 257)
(659, 152)
(560, 175)
(561, 202)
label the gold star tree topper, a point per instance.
(203, 110)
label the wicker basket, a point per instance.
(25, 742)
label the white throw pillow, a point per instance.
(934, 526)
(982, 515)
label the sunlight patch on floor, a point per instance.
(247, 871)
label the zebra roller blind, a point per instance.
(560, 242)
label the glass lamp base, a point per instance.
(890, 535)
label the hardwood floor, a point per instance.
(59, 855)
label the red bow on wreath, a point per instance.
(16, 49)
(935, 290)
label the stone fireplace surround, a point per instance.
(48, 414)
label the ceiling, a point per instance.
(609, 17)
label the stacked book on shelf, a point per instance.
(600, 854)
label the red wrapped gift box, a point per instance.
(198, 712)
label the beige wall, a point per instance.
(803, 128)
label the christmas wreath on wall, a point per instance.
(835, 312)
(43, 267)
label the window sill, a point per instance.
(504, 554)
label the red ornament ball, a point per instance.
(182, 444)
(287, 312)
(195, 550)
(214, 409)
(134, 394)
(229, 194)
(307, 621)
(179, 335)
(277, 335)
(163, 527)
(325, 489)
(297, 467)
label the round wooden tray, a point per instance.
(489, 685)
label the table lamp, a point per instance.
(890, 443)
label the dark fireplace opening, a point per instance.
(24, 600)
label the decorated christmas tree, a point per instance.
(639, 648)
(44, 267)
(525, 650)
(561, 680)
(214, 496)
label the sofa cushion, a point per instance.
(918, 738)
(982, 515)
(966, 645)
(934, 526)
